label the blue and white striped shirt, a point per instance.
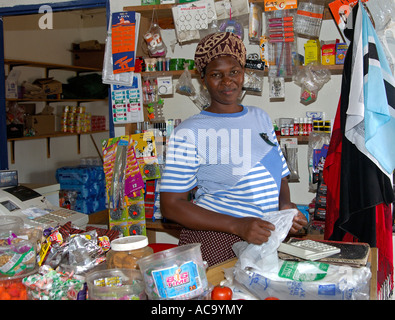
(236, 172)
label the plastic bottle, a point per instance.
(296, 126)
(309, 125)
(301, 126)
(305, 127)
(291, 129)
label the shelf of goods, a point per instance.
(50, 66)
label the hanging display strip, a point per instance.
(309, 18)
(123, 41)
(273, 5)
(189, 18)
(126, 101)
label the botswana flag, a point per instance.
(359, 184)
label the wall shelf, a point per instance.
(301, 139)
(48, 138)
(48, 66)
(55, 100)
(165, 15)
(334, 70)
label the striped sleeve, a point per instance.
(181, 166)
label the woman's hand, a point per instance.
(299, 221)
(254, 230)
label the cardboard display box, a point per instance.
(49, 85)
(41, 123)
(28, 108)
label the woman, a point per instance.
(230, 154)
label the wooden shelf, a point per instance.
(165, 15)
(301, 139)
(55, 100)
(174, 73)
(49, 66)
(48, 138)
(334, 70)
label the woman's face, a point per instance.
(224, 79)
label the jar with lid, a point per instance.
(125, 252)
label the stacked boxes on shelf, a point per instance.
(88, 183)
(75, 120)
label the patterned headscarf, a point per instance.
(216, 45)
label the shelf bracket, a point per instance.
(12, 152)
(79, 143)
(48, 147)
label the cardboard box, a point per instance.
(341, 50)
(28, 108)
(312, 51)
(41, 123)
(49, 85)
(88, 58)
(328, 54)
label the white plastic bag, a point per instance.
(308, 281)
(263, 274)
(264, 257)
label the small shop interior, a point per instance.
(85, 138)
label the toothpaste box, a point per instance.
(341, 49)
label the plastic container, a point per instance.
(126, 251)
(10, 224)
(18, 252)
(115, 284)
(48, 284)
(175, 274)
(12, 288)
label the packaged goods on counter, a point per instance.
(175, 274)
(116, 284)
(260, 270)
(75, 250)
(308, 280)
(126, 251)
(49, 284)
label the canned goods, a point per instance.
(157, 38)
(148, 37)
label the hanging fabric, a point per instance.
(359, 192)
